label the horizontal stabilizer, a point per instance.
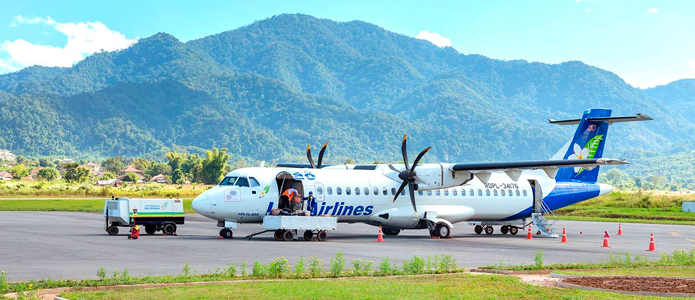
(532, 165)
(610, 120)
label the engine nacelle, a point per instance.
(399, 217)
(451, 213)
(439, 176)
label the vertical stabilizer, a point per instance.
(587, 143)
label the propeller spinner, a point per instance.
(311, 160)
(408, 175)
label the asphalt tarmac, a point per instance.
(72, 245)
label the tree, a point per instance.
(141, 164)
(213, 165)
(175, 160)
(19, 171)
(131, 177)
(107, 176)
(47, 174)
(156, 168)
(44, 162)
(178, 177)
(192, 167)
(114, 164)
(75, 173)
(21, 160)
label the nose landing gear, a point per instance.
(226, 233)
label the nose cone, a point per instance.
(604, 188)
(201, 204)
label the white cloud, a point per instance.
(588, 10)
(691, 63)
(83, 38)
(434, 38)
(652, 11)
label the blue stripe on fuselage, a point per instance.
(564, 194)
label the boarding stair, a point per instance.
(544, 219)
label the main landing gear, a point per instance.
(441, 230)
(391, 231)
(226, 233)
(513, 230)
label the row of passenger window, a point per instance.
(446, 192)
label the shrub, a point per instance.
(258, 270)
(538, 260)
(101, 273)
(231, 270)
(337, 264)
(299, 268)
(385, 267)
(414, 266)
(186, 270)
(279, 267)
(315, 267)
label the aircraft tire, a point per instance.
(478, 229)
(489, 230)
(504, 229)
(308, 235)
(151, 229)
(322, 236)
(513, 230)
(288, 235)
(113, 230)
(226, 233)
(391, 231)
(442, 230)
(278, 234)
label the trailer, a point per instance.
(285, 228)
(155, 214)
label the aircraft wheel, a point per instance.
(308, 235)
(278, 235)
(504, 229)
(225, 233)
(513, 230)
(391, 231)
(442, 230)
(150, 229)
(489, 230)
(288, 235)
(478, 229)
(169, 229)
(113, 230)
(322, 236)
(538, 232)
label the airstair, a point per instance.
(544, 219)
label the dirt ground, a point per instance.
(636, 284)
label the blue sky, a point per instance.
(647, 43)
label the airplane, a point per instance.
(441, 194)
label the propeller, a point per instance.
(311, 160)
(408, 175)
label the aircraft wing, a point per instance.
(515, 168)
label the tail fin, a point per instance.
(587, 143)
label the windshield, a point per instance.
(228, 181)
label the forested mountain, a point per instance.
(267, 89)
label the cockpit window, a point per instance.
(254, 182)
(243, 182)
(228, 181)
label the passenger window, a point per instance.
(393, 191)
(494, 192)
(420, 193)
(502, 193)
(453, 192)
(347, 191)
(228, 181)
(446, 192)
(487, 192)
(338, 191)
(243, 182)
(254, 182)
(357, 191)
(517, 193)
(437, 192)
(376, 191)
(463, 192)
(384, 191)
(510, 193)
(366, 191)
(403, 192)
(319, 190)
(480, 192)
(429, 193)
(329, 190)
(525, 193)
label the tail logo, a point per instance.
(587, 152)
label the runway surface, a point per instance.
(67, 245)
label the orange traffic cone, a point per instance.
(564, 236)
(652, 246)
(529, 236)
(380, 236)
(605, 240)
(620, 229)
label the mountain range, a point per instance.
(266, 90)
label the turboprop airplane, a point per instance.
(441, 194)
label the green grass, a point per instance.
(62, 189)
(631, 207)
(648, 271)
(86, 205)
(458, 286)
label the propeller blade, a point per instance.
(394, 168)
(419, 156)
(400, 189)
(308, 155)
(405, 152)
(411, 190)
(323, 149)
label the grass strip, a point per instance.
(87, 205)
(685, 271)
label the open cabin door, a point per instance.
(537, 193)
(285, 181)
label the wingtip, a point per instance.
(325, 145)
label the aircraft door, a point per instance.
(537, 196)
(318, 192)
